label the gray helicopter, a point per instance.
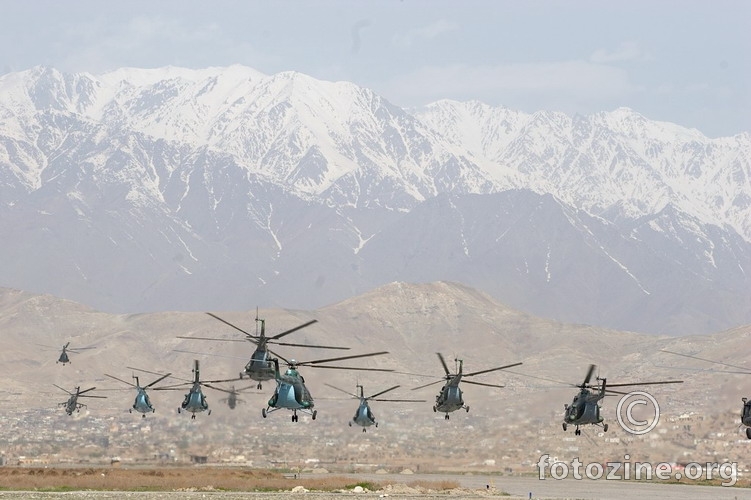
(260, 367)
(195, 401)
(63, 358)
(746, 408)
(72, 403)
(291, 392)
(233, 400)
(142, 403)
(450, 397)
(585, 407)
(364, 416)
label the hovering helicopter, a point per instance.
(450, 397)
(72, 403)
(195, 401)
(232, 400)
(746, 408)
(364, 416)
(142, 403)
(66, 349)
(291, 392)
(260, 367)
(585, 407)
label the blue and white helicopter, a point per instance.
(364, 416)
(142, 403)
(291, 392)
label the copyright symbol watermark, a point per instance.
(638, 412)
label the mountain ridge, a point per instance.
(172, 188)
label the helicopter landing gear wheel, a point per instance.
(259, 386)
(565, 426)
(446, 417)
(467, 408)
(193, 417)
(209, 413)
(350, 424)
(605, 428)
(434, 410)
(315, 412)
(263, 412)
(578, 432)
(179, 410)
(143, 416)
(130, 410)
(748, 432)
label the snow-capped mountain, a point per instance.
(225, 188)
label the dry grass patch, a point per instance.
(161, 479)
(442, 485)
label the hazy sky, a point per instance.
(687, 62)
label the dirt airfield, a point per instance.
(219, 483)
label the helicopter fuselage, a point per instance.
(72, 405)
(584, 409)
(142, 403)
(291, 392)
(450, 398)
(195, 401)
(364, 416)
(260, 367)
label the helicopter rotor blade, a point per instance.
(210, 338)
(309, 345)
(491, 370)
(157, 380)
(400, 400)
(590, 372)
(203, 354)
(66, 390)
(342, 390)
(443, 362)
(383, 392)
(120, 380)
(280, 335)
(86, 390)
(482, 383)
(427, 385)
(352, 368)
(217, 388)
(708, 360)
(91, 396)
(279, 356)
(310, 363)
(145, 371)
(204, 382)
(648, 383)
(231, 325)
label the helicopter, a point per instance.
(260, 367)
(66, 349)
(142, 403)
(746, 408)
(291, 392)
(232, 400)
(195, 401)
(72, 403)
(364, 416)
(585, 407)
(450, 397)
